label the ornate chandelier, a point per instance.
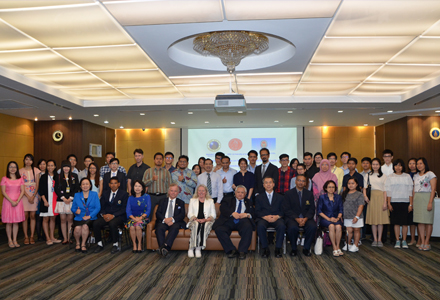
(231, 46)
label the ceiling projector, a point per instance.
(229, 103)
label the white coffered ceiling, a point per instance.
(112, 58)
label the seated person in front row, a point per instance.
(170, 216)
(85, 207)
(269, 213)
(299, 210)
(114, 172)
(113, 214)
(236, 213)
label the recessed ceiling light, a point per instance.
(52, 116)
(365, 124)
(173, 123)
(276, 121)
(290, 112)
(381, 119)
(36, 119)
(96, 115)
(70, 118)
(311, 121)
(206, 122)
(106, 122)
(142, 114)
(437, 111)
(340, 111)
(390, 111)
(190, 113)
(240, 112)
(121, 127)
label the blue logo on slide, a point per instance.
(269, 143)
(214, 145)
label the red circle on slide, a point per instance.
(235, 144)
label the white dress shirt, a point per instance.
(173, 203)
(250, 169)
(111, 195)
(387, 170)
(216, 184)
(229, 175)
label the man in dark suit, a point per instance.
(269, 213)
(114, 172)
(236, 213)
(266, 169)
(170, 216)
(113, 213)
(299, 210)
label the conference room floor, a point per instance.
(55, 272)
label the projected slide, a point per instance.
(236, 142)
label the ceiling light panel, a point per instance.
(134, 78)
(406, 73)
(375, 88)
(165, 12)
(308, 89)
(204, 90)
(11, 39)
(338, 72)
(384, 18)
(434, 30)
(109, 58)
(43, 61)
(72, 26)
(269, 10)
(97, 94)
(152, 92)
(267, 89)
(10, 4)
(423, 51)
(359, 50)
(263, 78)
(70, 80)
(222, 79)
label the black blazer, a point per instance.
(263, 208)
(122, 180)
(291, 207)
(117, 207)
(179, 212)
(61, 188)
(271, 171)
(227, 207)
(43, 190)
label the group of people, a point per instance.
(257, 197)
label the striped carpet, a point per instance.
(55, 272)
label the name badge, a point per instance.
(119, 202)
(68, 189)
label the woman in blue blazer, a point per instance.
(330, 210)
(85, 207)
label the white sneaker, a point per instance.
(345, 248)
(199, 252)
(353, 248)
(360, 243)
(191, 252)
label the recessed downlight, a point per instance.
(290, 111)
(172, 123)
(106, 122)
(95, 115)
(389, 111)
(365, 124)
(36, 119)
(70, 118)
(381, 119)
(206, 122)
(121, 127)
(311, 121)
(142, 114)
(340, 111)
(276, 121)
(190, 113)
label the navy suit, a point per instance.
(225, 224)
(293, 209)
(116, 207)
(122, 180)
(264, 208)
(173, 230)
(271, 171)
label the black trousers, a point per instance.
(280, 228)
(244, 228)
(113, 227)
(155, 201)
(161, 229)
(309, 233)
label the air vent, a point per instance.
(12, 104)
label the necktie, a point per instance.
(270, 199)
(239, 211)
(113, 197)
(263, 170)
(170, 210)
(209, 184)
(300, 199)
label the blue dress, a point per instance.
(330, 208)
(137, 207)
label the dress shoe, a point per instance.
(98, 249)
(278, 253)
(164, 251)
(266, 253)
(114, 249)
(84, 250)
(294, 252)
(242, 255)
(232, 254)
(307, 252)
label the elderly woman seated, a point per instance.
(330, 210)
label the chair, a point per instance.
(121, 231)
(273, 230)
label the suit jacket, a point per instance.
(122, 179)
(61, 188)
(92, 206)
(227, 207)
(208, 208)
(117, 207)
(291, 206)
(264, 208)
(44, 191)
(179, 212)
(271, 171)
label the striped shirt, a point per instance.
(161, 184)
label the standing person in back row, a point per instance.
(285, 175)
(212, 180)
(185, 178)
(387, 169)
(266, 169)
(137, 170)
(106, 168)
(227, 175)
(157, 180)
(252, 157)
(169, 159)
(333, 158)
(311, 169)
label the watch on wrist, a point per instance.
(357, 217)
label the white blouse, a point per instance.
(423, 183)
(377, 183)
(399, 187)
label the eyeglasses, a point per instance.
(169, 157)
(387, 156)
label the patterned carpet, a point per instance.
(55, 272)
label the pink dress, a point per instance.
(30, 186)
(11, 214)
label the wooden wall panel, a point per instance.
(395, 133)
(380, 139)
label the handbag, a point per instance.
(319, 245)
(368, 187)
